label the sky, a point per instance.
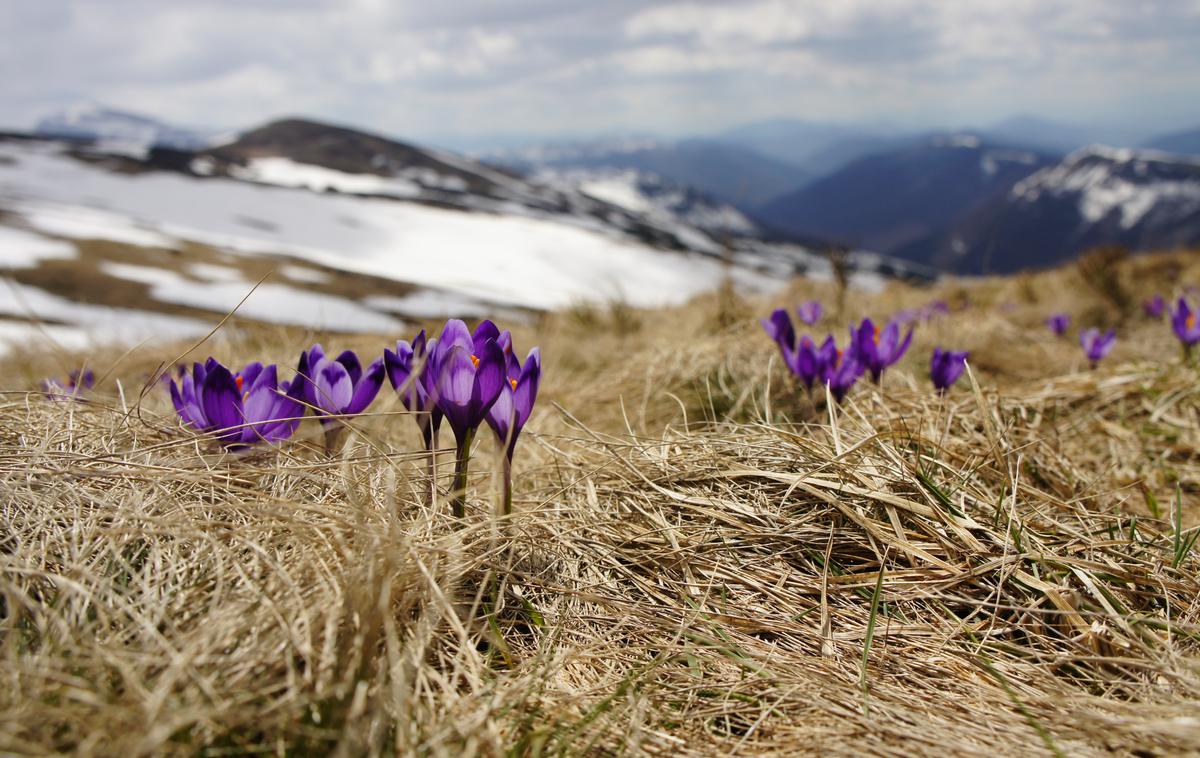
(457, 70)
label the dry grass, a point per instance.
(700, 562)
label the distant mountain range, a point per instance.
(730, 172)
(1096, 196)
(886, 201)
(1186, 142)
(1020, 192)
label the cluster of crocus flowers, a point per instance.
(76, 384)
(461, 377)
(1058, 324)
(1096, 345)
(869, 349)
(946, 367)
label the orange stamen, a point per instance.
(1191, 321)
(475, 361)
(513, 382)
(877, 335)
(238, 379)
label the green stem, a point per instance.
(431, 448)
(507, 465)
(458, 491)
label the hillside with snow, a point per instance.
(311, 225)
(1141, 199)
(887, 201)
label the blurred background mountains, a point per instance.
(1024, 192)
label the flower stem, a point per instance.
(507, 483)
(431, 464)
(458, 490)
(333, 438)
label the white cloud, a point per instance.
(416, 68)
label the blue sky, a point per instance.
(441, 71)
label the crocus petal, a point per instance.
(490, 379)
(367, 387)
(779, 328)
(220, 399)
(525, 394)
(483, 333)
(456, 334)
(333, 386)
(501, 417)
(350, 361)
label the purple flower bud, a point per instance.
(1096, 345)
(1058, 323)
(513, 406)
(946, 367)
(1154, 307)
(779, 328)
(77, 384)
(810, 312)
(408, 371)
(1184, 324)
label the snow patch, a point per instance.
(22, 249)
(285, 172)
(91, 223)
(271, 303)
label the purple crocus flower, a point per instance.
(240, 408)
(77, 383)
(946, 367)
(468, 375)
(1096, 345)
(810, 312)
(337, 387)
(841, 372)
(877, 349)
(1058, 323)
(779, 328)
(408, 370)
(508, 414)
(1154, 307)
(1183, 323)
(808, 361)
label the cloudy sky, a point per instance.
(446, 70)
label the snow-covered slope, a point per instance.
(647, 193)
(329, 228)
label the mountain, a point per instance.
(1096, 196)
(116, 127)
(732, 173)
(650, 194)
(1186, 142)
(819, 148)
(886, 201)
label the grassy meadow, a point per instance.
(702, 560)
